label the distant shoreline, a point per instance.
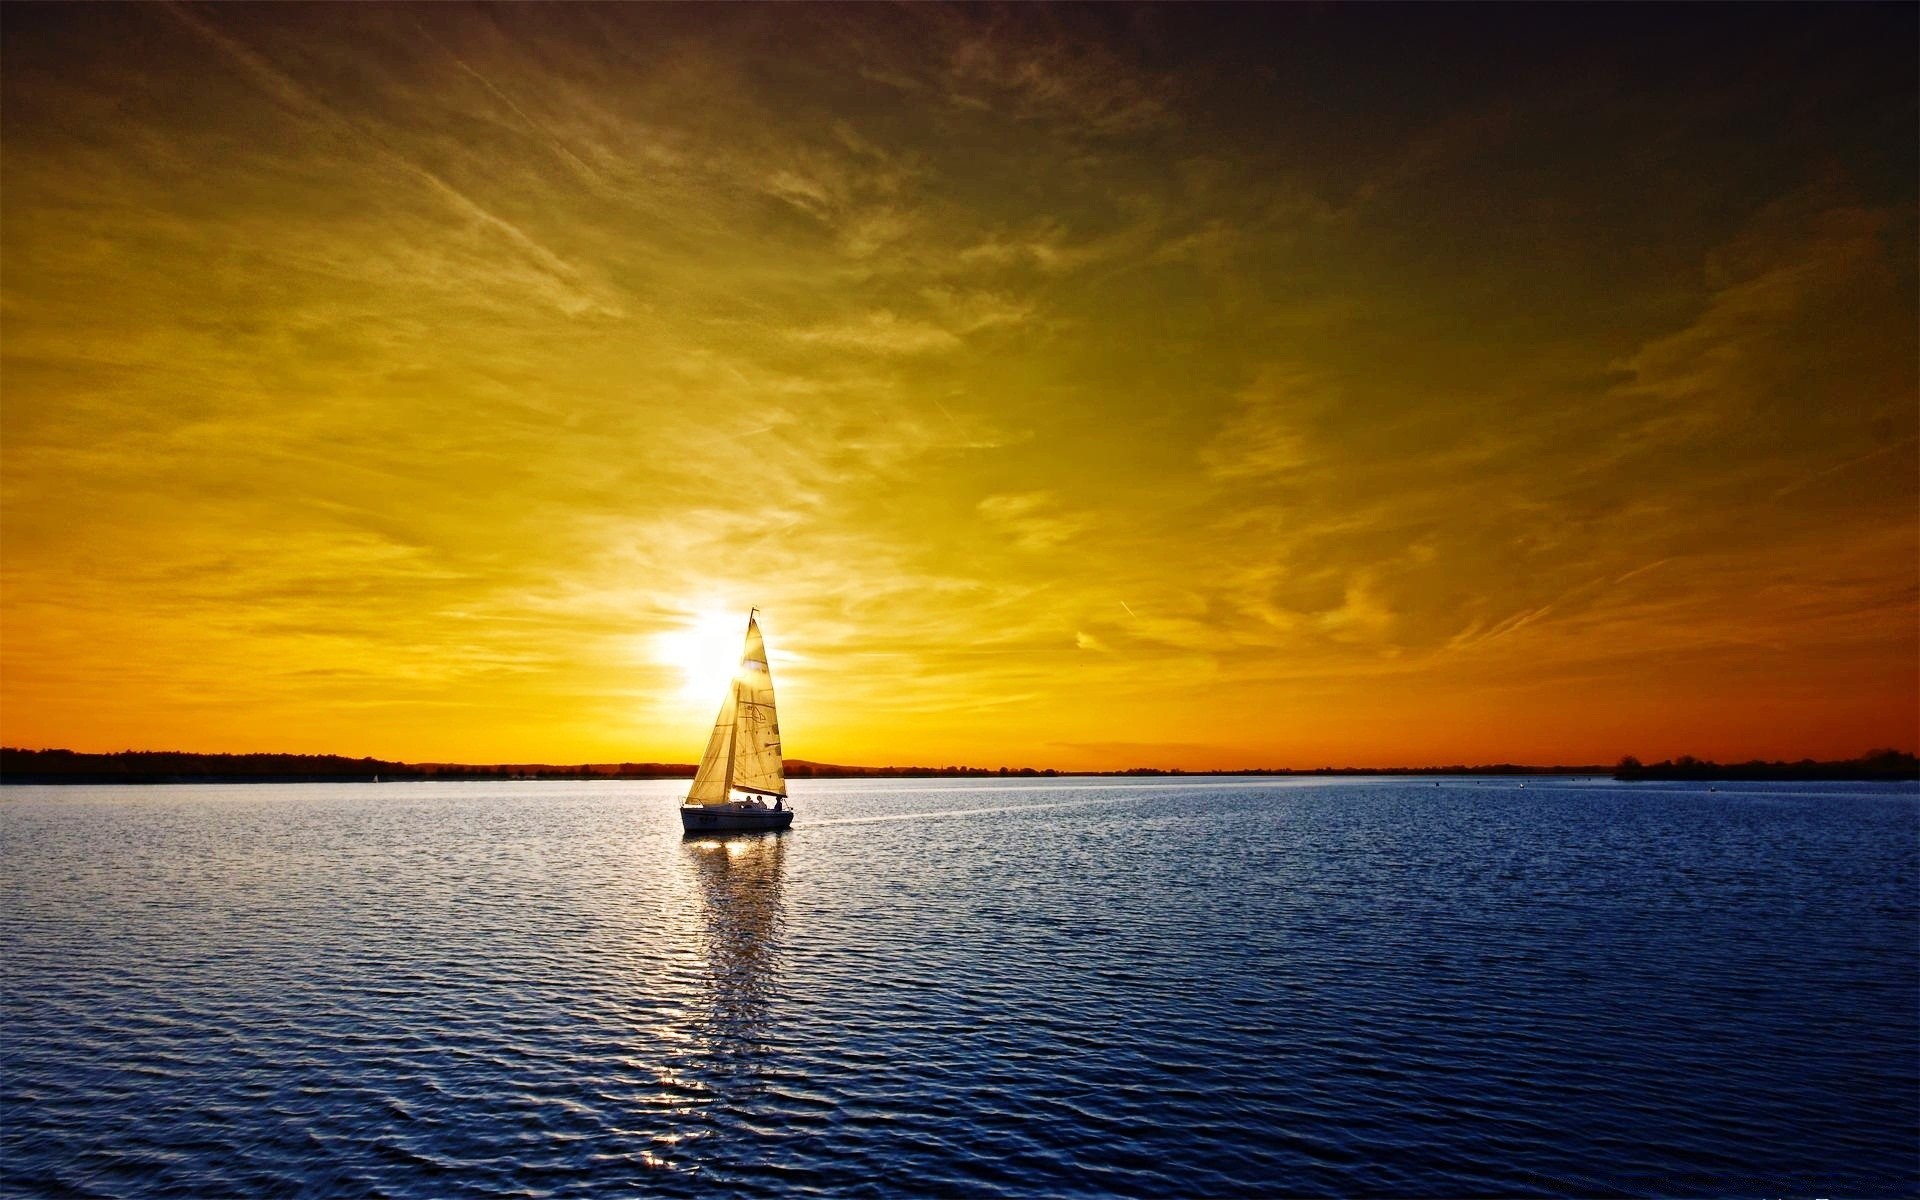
(40, 767)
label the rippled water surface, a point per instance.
(1066, 987)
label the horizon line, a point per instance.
(812, 768)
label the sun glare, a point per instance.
(705, 649)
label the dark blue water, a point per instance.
(1132, 987)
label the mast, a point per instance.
(733, 738)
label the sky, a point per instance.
(1077, 387)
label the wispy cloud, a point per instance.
(370, 367)
(880, 332)
(1033, 520)
(308, 105)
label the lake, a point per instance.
(960, 987)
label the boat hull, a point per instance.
(724, 818)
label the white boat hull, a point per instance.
(724, 818)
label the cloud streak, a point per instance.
(1066, 386)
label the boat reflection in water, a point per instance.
(737, 878)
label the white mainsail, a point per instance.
(743, 752)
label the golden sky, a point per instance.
(1087, 388)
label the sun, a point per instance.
(705, 649)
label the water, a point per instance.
(1062, 987)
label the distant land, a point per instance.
(18, 766)
(1873, 765)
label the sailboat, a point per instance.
(741, 769)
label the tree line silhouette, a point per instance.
(171, 766)
(1875, 765)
